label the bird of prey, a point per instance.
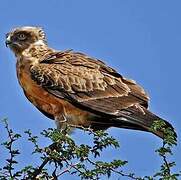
(73, 88)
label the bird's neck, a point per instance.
(35, 51)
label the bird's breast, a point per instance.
(47, 102)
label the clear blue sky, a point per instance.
(141, 39)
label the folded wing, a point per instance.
(87, 83)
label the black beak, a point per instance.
(7, 42)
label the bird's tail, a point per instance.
(131, 118)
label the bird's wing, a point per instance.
(87, 83)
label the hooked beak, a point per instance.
(8, 41)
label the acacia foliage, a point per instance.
(63, 155)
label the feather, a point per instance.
(79, 87)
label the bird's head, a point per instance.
(21, 38)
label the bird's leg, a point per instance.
(59, 116)
(62, 124)
(61, 121)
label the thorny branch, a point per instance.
(165, 160)
(38, 170)
(10, 149)
(65, 156)
(118, 172)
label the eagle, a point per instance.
(75, 89)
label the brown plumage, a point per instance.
(73, 88)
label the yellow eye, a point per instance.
(21, 36)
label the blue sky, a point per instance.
(141, 39)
